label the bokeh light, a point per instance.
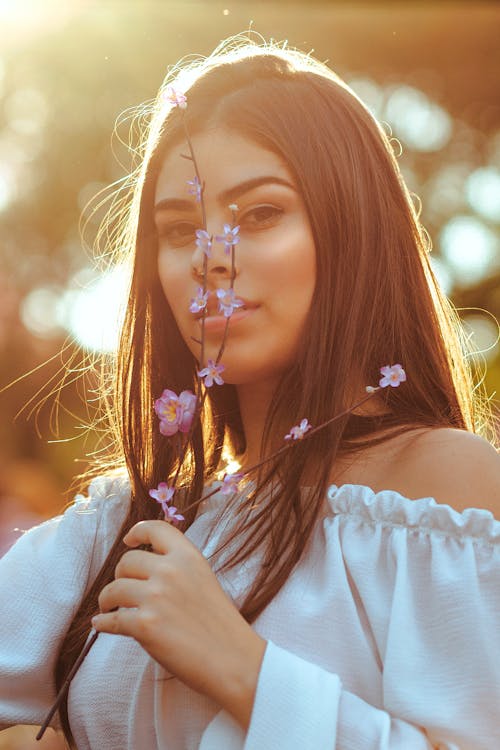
(445, 190)
(92, 311)
(370, 93)
(418, 122)
(8, 186)
(470, 247)
(40, 311)
(26, 111)
(483, 192)
(442, 272)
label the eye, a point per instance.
(262, 215)
(179, 233)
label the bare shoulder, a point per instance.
(455, 467)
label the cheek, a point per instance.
(176, 285)
(172, 276)
(291, 269)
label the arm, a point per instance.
(238, 686)
(42, 579)
(301, 706)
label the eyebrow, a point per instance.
(227, 196)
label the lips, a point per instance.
(215, 324)
(212, 309)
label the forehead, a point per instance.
(223, 157)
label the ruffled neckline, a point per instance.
(390, 507)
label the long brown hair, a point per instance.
(376, 302)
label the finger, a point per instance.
(160, 535)
(137, 564)
(124, 592)
(119, 622)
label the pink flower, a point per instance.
(172, 515)
(199, 302)
(230, 483)
(204, 241)
(174, 97)
(393, 376)
(195, 188)
(175, 412)
(211, 373)
(298, 432)
(230, 237)
(227, 301)
(163, 495)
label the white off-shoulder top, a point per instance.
(386, 636)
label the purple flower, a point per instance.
(199, 302)
(211, 373)
(230, 484)
(227, 301)
(393, 376)
(174, 97)
(163, 495)
(172, 515)
(175, 412)
(204, 241)
(230, 237)
(298, 432)
(195, 188)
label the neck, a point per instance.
(254, 401)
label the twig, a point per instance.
(65, 685)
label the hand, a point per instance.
(172, 603)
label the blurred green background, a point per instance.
(68, 68)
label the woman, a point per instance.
(360, 607)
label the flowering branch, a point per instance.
(198, 186)
(392, 376)
(233, 208)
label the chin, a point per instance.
(239, 375)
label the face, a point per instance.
(275, 261)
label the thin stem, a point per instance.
(289, 445)
(204, 317)
(200, 400)
(231, 286)
(65, 685)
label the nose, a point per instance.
(219, 264)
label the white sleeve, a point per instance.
(301, 706)
(43, 578)
(432, 598)
(311, 710)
